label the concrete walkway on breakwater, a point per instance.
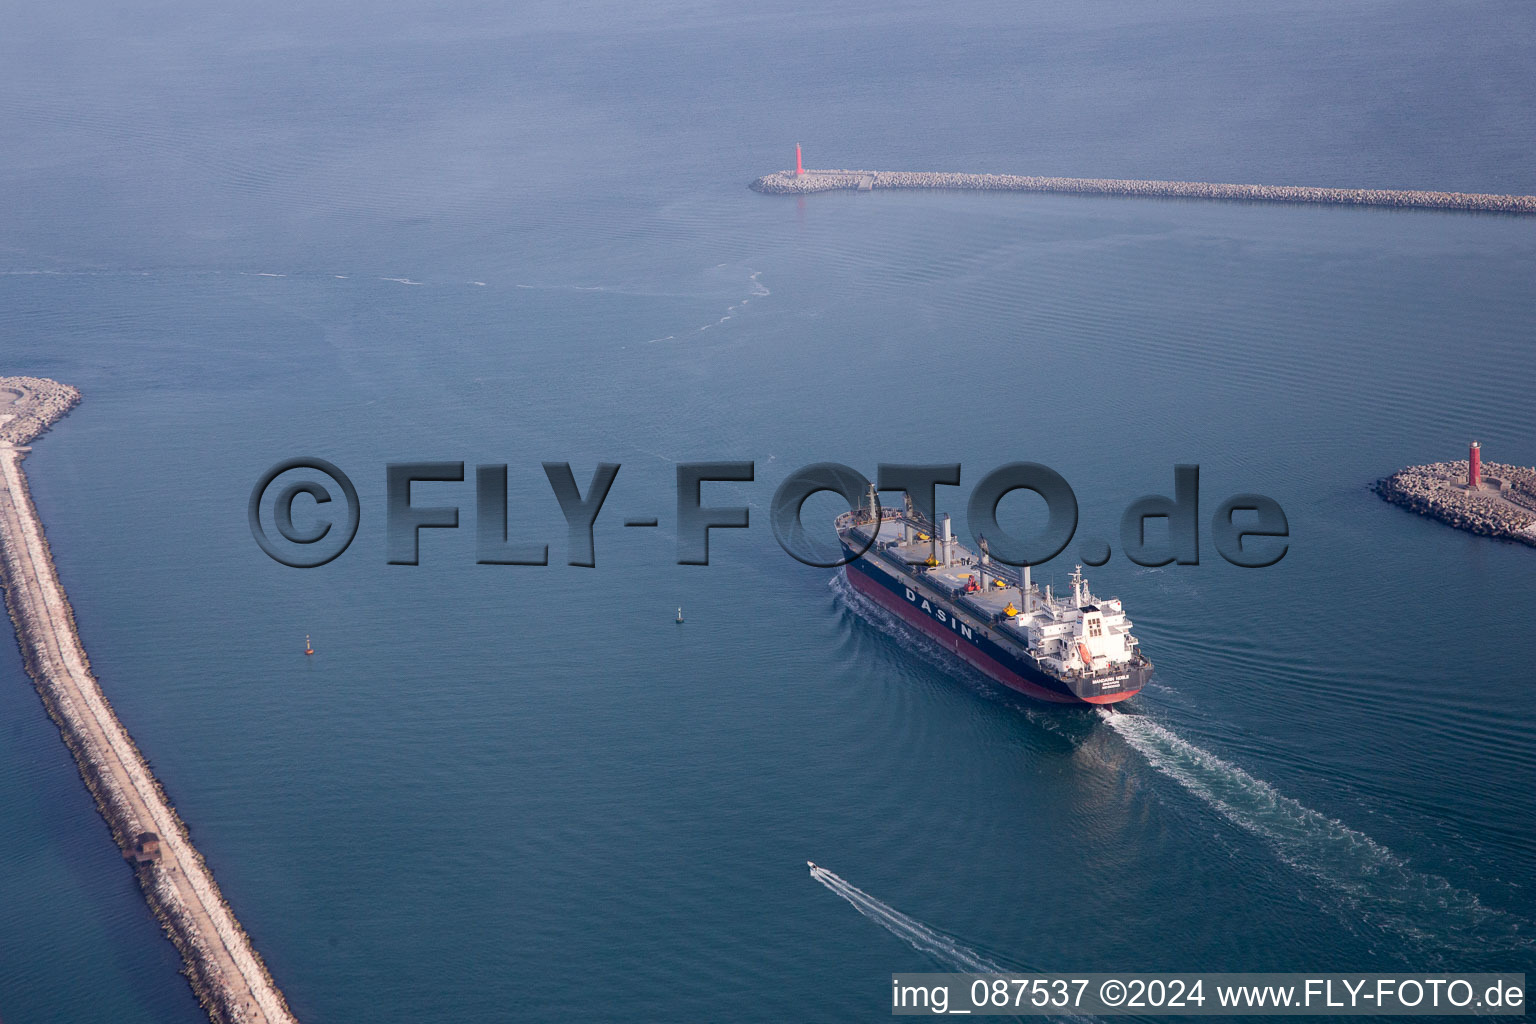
(788, 183)
(1504, 507)
(224, 969)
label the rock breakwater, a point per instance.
(227, 975)
(1505, 506)
(29, 405)
(788, 183)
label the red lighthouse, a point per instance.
(799, 168)
(1475, 467)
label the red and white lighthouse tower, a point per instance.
(799, 167)
(1475, 467)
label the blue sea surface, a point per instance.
(477, 233)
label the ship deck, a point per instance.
(986, 604)
(982, 609)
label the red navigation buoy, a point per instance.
(307, 648)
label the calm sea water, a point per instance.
(480, 234)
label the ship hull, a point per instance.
(992, 660)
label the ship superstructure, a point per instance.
(1069, 648)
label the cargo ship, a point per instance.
(1070, 649)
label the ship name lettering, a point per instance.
(938, 613)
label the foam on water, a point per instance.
(946, 949)
(1365, 882)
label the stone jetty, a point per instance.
(790, 183)
(29, 405)
(1504, 505)
(225, 971)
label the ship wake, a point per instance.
(946, 949)
(1368, 883)
(889, 624)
